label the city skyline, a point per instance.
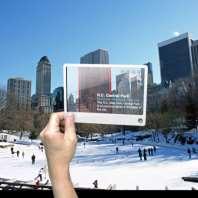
(69, 33)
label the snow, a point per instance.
(98, 160)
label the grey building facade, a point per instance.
(43, 77)
(19, 93)
(99, 56)
(43, 99)
(2, 98)
(150, 73)
(176, 58)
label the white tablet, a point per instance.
(106, 94)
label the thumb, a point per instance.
(70, 125)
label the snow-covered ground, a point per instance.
(98, 160)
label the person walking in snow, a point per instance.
(154, 149)
(145, 155)
(117, 150)
(23, 154)
(18, 152)
(33, 159)
(40, 175)
(140, 153)
(95, 183)
(12, 150)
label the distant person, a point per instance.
(33, 159)
(117, 150)
(12, 150)
(140, 153)
(145, 155)
(123, 141)
(149, 151)
(189, 153)
(95, 183)
(18, 152)
(84, 144)
(154, 149)
(40, 174)
(23, 154)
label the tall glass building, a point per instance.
(58, 99)
(195, 56)
(99, 56)
(175, 58)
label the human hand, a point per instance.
(59, 139)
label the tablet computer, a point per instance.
(106, 94)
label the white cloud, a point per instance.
(176, 33)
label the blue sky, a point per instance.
(64, 30)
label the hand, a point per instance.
(59, 139)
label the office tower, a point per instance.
(19, 93)
(2, 98)
(93, 81)
(58, 99)
(195, 56)
(175, 58)
(43, 99)
(99, 56)
(43, 77)
(150, 73)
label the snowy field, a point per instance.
(100, 161)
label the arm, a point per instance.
(59, 139)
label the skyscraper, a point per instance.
(93, 81)
(43, 98)
(19, 93)
(195, 56)
(2, 98)
(58, 99)
(43, 77)
(150, 73)
(99, 56)
(176, 58)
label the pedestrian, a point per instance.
(154, 149)
(123, 140)
(117, 150)
(33, 159)
(40, 175)
(140, 153)
(84, 144)
(23, 154)
(95, 183)
(18, 152)
(149, 151)
(145, 155)
(189, 153)
(12, 150)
